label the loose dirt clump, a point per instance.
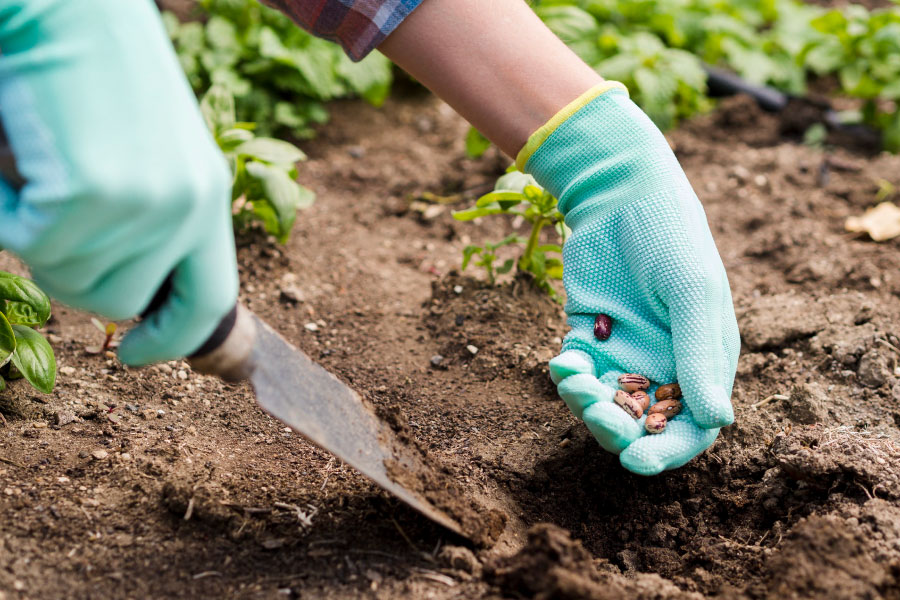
(417, 471)
(553, 566)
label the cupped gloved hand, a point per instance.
(642, 253)
(123, 184)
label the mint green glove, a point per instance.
(642, 253)
(123, 183)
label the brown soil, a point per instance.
(200, 494)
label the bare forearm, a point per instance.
(493, 61)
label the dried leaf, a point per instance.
(881, 222)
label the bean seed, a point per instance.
(643, 399)
(655, 423)
(670, 391)
(628, 404)
(602, 327)
(667, 408)
(632, 382)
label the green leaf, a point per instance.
(476, 144)
(550, 248)
(554, 268)
(280, 191)
(272, 151)
(33, 357)
(506, 267)
(7, 340)
(307, 197)
(230, 139)
(468, 252)
(220, 33)
(20, 289)
(515, 181)
(492, 197)
(474, 213)
(217, 107)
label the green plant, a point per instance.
(278, 74)
(487, 255)
(656, 47)
(520, 195)
(264, 188)
(108, 330)
(23, 351)
(863, 49)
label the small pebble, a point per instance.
(436, 360)
(125, 456)
(99, 454)
(291, 294)
(67, 370)
(311, 327)
(457, 289)
(472, 349)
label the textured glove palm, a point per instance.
(641, 252)
(123, 183)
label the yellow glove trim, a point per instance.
(538, 137)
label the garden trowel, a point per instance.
(313, 402)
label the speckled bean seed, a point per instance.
(655, 423)
(643, 399)
(670, 391)
(632, 382)
(628, 404)
(667, 408)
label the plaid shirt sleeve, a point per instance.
(357, 25)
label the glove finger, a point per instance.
(204, 289)
(705, 347)
(681, 441)
(591, 399)
(613, 428)
(571, 362)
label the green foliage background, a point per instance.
(278, 74)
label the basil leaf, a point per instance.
(19, 289)
(33, 357)
(7, 340)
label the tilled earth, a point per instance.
(160, 483)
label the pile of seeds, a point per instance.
(634, 400)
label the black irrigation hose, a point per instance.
(725, 83)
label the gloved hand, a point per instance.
(642, 253)
(123, 182)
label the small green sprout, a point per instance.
(520, 195)
(108, 330)
(487, 254)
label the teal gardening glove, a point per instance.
(642, 253)
(123, 183)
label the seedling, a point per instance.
(486, 255)
(265, 187)
(108, 330)
(23, 351)
(520, 195)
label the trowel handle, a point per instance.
(228, 351)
